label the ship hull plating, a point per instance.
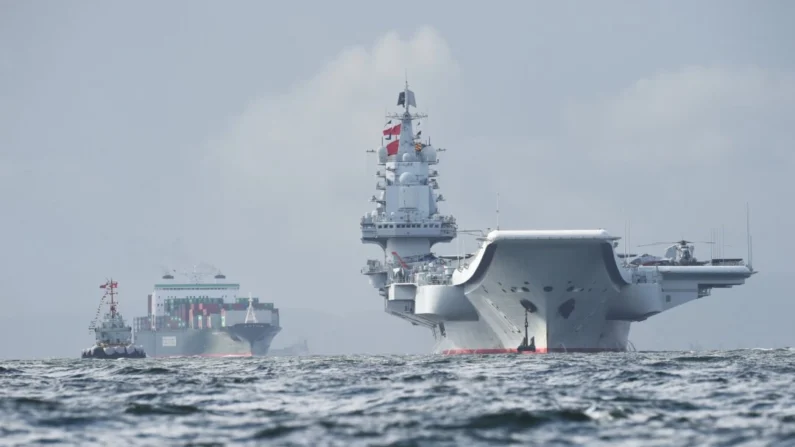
(563, 286)
(572, 291)
(240, 340)
(480, 338)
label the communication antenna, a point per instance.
(712, 244)
(748, 235)
(629, 231)
(722, 240)
(460, 250)
(751, 240)
(498, 210)
(625, 241)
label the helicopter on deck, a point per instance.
(678, 253)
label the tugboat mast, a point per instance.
(110, 290)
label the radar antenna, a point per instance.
(167, 272)
(406, 98)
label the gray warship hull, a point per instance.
(239, 340)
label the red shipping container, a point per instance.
(213, 308)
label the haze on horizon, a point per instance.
(138, 137)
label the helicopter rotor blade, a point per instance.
(679, 242)
(656, 243)
(685, 241)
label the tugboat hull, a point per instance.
(114, 352)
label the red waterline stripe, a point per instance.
(515, 351)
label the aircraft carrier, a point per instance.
(194, 317)
(533, 291)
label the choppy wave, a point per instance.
(744, 397)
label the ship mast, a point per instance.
(250, 317)
(111, 286)
(110, 289)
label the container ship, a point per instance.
(205, 318)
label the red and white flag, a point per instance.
(113, 285)
(392, 137)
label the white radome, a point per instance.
(407, 178)
(429, 154)
(382, 155)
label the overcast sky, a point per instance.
(139, 136)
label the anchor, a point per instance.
(525, 346)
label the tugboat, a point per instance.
(114, 338)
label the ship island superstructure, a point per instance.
(522, 290)
(195, 317)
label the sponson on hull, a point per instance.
(113, 336)
(529, 291)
